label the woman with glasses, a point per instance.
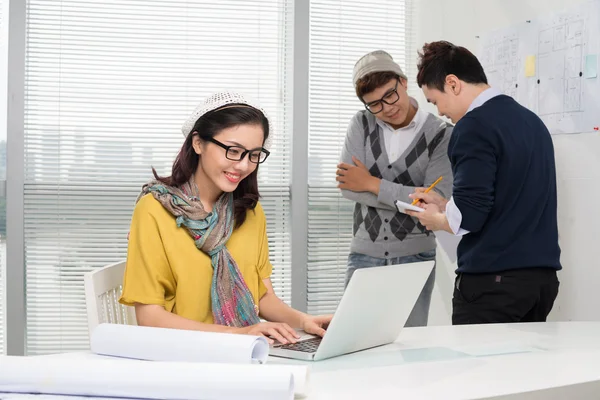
(198, 255)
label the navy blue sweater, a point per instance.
(502, 159)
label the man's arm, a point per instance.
(474, 157)
(355, 146)
(438, 165)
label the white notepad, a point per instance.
(402, 207)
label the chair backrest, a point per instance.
(103, 287)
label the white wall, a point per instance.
(577, 157)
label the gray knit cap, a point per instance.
(375, 61)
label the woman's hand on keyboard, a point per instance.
(279, 331)
(316, 325)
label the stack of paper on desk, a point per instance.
(155, 363)
(159, 344)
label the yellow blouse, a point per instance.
(165, 267)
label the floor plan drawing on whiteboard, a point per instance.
(544, 65)
(560, 60)
(501, 60)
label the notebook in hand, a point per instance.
(402, 207)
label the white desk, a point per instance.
(508, 361)
(512, 361)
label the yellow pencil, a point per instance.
(415, 201)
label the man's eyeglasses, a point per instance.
(389, 98)
(237, 153)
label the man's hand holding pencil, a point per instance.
(434, 204)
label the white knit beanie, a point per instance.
(218, 100)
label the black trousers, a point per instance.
(520, 295)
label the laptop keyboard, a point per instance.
(306, 346)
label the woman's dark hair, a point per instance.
(245, 196)
(440, 59)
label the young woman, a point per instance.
(198, 255)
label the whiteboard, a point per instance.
(562, 50)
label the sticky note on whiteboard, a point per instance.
(591, 66)
(530, 66)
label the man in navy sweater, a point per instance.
(503, 202)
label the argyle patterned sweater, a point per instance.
(379, 229)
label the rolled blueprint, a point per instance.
(163, 344)
(128, 378)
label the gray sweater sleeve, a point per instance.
(355, 146)
(438, 165)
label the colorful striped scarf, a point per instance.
(232, 302)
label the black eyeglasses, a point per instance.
(237, 153)
(389, 98)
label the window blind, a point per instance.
(108, 85)
(3, 137)
(340, 33)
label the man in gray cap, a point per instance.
(392, 149)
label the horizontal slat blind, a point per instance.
(3, 137)
(108, 85)
(340, 32)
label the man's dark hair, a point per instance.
(373, 81)
(440, 59)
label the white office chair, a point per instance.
(103, 288)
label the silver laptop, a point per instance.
(372, 312)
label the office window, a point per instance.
(340, 32)
(3, 138)
(108, 85)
